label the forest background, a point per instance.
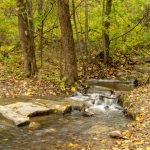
(63, 42)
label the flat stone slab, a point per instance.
(27, 109)
(99, 89)
(18, 119)
(21, 112)
(112, 84)
(61, 106)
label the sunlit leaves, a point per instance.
(71, 145)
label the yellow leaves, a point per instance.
(67, 93)
(148, 148)
(40, 104)
(28, 93)
(73, 89)
(103, 141)
(126, 134)
(137, 118)
(71, 145)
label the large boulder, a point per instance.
(20, 112)
(28, 109)
(18, 119)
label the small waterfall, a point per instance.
(102, 103)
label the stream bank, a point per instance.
(136, 104)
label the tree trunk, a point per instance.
(86, 28)
(75, 25)
(106, 10)
(40, 30)
(26, 31)
(67, 41)
(78, 39)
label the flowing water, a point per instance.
(71, 131)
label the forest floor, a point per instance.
(137, 135)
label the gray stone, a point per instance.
(20, 112)
(27, 109)
(112, 84)
(18, 119)
(87, 114)
(115, 134)
(99, 89)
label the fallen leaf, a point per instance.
(148, 148)
(103, 141)
(72, 145)
(73, 89)
(40, 104)
(28, 93)
(137, 118)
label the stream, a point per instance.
(63, 132)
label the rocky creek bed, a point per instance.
(61, 130)
(58, 131)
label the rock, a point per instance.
(63, 106)
(142, 68)
(112, 84)
(115, 134)
(99, 89)
(89, 111)
(33, 126)
(87, 114)
(20, 112)
(27, 109)
(67, 110)
(18, 119)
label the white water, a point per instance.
(99, 103)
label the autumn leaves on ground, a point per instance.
(137, 136)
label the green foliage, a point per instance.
(125, 15)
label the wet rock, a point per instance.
(106, 107)
(87, 114)
(17, 118)
(99, 89)
(89, 103)
(34, 126)
(63, 106)
(115, 134)
(89, 111)
(112, 84)
(20, 112)
(67, 110)
(27, 109)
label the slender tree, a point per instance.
(106, 10)
(67, 41)
(26, 31)
(86, 27)
(40, 29)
